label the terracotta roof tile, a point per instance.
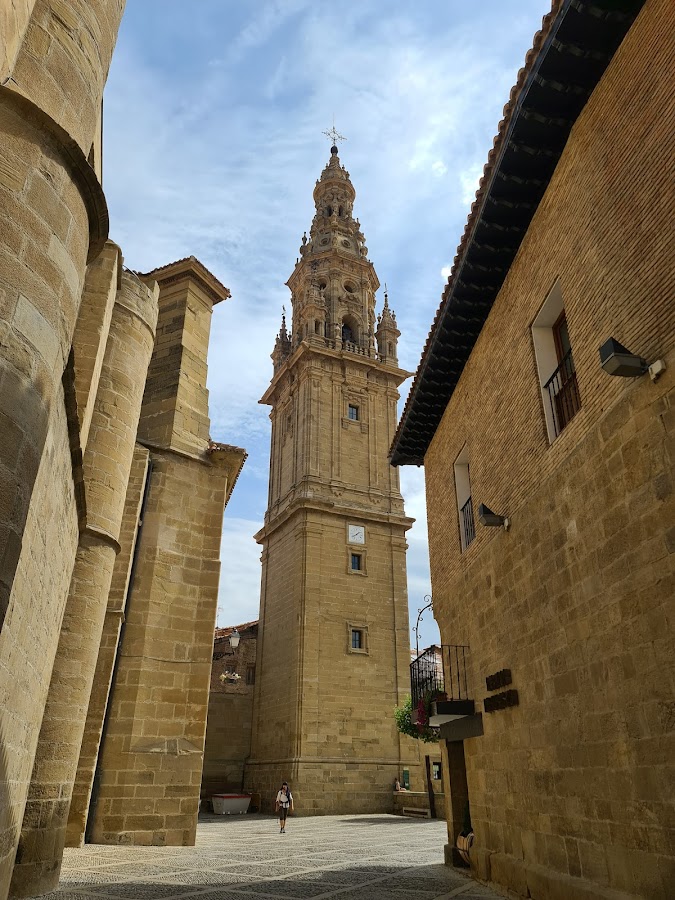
(227, 631)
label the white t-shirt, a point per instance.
(284, 799)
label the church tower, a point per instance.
(333, 646)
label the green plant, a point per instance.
(404, 723)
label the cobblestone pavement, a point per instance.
(245, 857)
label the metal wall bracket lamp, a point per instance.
(616, 359)
(492, 520)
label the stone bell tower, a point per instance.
(333, 646)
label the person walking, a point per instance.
(283, 805)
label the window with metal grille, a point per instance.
(555, 364)
(467, 527)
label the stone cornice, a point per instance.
(189, 268)
(229, 458)
(399, 375)
(333, 508)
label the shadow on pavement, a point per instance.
(376, 882)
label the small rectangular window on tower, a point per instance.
(357, 638)
(356, 564)
(353, 412)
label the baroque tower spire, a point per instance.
(334, 283)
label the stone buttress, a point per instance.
(146, 786)
(54, 59)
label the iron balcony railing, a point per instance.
(467, 524)
(440, 672)
(563, 393)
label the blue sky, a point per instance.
(214, 113)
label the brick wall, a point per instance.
(575, 598)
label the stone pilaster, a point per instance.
(107, 463)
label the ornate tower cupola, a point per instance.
(387, 333)
(334, 283)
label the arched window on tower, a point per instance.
(350, 330)
(317, 327)
(390, 349)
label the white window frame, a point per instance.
(545, 352)
(462, 492)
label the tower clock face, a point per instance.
(357, 534)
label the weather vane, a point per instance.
(334, 135)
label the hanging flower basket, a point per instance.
(424, 708)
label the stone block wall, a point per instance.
(151, 761)
(150, 764)
(339, 747)
(75, 338)
(53, 219)
(106, 465)
(568, 789)
(14, 18)
(30, 630)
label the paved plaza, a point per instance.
(245, 857)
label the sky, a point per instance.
(213, 119)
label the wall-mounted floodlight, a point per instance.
(616, 359)
(487, 517)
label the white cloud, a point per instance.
(469, 181)
(239, 592)
(446, 272)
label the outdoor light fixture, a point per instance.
(234, 639)
(487, 517)
(615, 359)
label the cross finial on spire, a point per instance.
(334, 135)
